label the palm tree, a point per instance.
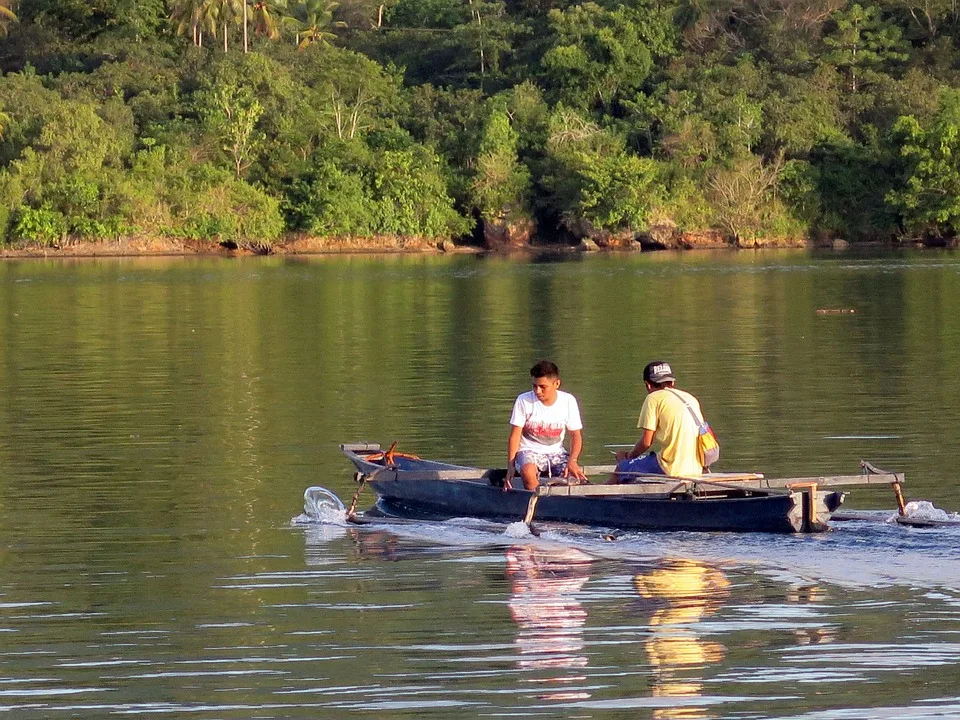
(7, 15)
(312, 22)
(228, 11)
(265, 22)
(195, 16)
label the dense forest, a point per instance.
(483, 121)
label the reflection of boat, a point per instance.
(549, 615)
(409, 486)
(686, 591)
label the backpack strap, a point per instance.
(698, 420)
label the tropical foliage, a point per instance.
(243, 119)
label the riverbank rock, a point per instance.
(771, 242)
(661, 236)
(705, 240)
(507, 235)
(587, 245)
(583, 229)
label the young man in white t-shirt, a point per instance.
(540, 419)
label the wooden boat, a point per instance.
(407, 486)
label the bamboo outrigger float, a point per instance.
(407, 486)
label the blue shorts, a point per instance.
(646, 464)
(549, 464)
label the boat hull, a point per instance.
(782, 512)
(459, 498)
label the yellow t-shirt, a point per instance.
(675, 430)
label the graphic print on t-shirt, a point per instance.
(542, 433)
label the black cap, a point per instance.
(658, 372)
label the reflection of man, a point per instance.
(813, 631)
(550, 618)
(689, 590)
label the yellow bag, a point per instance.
(708, 449)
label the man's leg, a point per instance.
(530, 474)
(530, 464)
(643, 465)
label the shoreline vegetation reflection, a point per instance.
(163, 417)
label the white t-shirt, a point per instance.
(545, 425)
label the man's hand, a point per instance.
(574, 470)
(511, 471)
(622, 455)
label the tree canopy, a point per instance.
(243, 119)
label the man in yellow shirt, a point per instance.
(670, 431)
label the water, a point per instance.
(162, 419)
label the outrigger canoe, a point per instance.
(407, 486)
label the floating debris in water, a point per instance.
(836, 311)
(862, 437)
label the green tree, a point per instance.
(731, 99)
(231, 112)
(87, 20)
(330, 198)
(353, 92)
(57, 183)
(435, 14)
(803, 112)
(501, 184)
(595, 55)
(863, 43)
(484, 38)
(409, 195)
(929, 198)
(354, 190)
(594, 185)
(924, 19)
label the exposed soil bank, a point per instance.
(309, 245)
(292, 245)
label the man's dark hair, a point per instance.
(546, 369)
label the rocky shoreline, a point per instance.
(309, 245)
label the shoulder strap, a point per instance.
(697, 420)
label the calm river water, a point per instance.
(163, 417)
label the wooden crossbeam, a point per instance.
(826, 481)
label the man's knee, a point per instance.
(530, 474)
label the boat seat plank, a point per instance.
(664, 490)
(722, 477)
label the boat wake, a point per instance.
(518, 529)
(926, 512)
(925, 555)
(321, 506)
